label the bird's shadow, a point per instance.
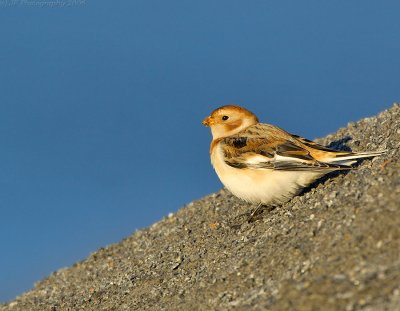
(340, 144)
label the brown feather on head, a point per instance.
(228, 120)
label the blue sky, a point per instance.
(101, 105)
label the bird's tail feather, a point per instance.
(351, 158)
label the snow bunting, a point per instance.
(261, 163)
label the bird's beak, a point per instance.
(208, 121)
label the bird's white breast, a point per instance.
(266, 186)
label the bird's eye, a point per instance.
(225, 118)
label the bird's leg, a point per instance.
(257, 211)
(253, 215)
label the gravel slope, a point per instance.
(336, 247)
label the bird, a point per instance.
(263, 164)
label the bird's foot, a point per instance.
(254, 215)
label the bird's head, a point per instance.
(229, 120)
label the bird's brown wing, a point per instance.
(264, 146)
